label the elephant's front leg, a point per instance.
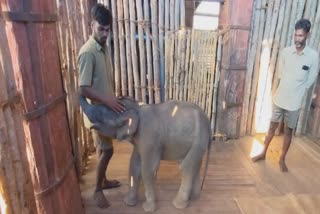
(150, 163)
(131, 198)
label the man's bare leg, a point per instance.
(273, 127)
(286, 144)
(104, 158)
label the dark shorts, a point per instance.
(101, 142)
(290, 117)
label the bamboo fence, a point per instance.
(272, 29)
(192, 65)
(72, 34)
(139, 30)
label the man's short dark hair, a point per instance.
(101, 14)
(303, 24)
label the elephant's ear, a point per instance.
(127, 125)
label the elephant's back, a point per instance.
(176, 124)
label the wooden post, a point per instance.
(233, 66)
(37, 79)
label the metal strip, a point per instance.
(11, 100)
(44, 108)
(28, 17)
(58, 181)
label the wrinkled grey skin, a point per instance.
(173, 130)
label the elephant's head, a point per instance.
(108, 123)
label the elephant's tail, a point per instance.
(208, 155)
(207, 163)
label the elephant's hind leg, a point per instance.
(196, 187)
(189, 168)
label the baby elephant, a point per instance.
(173, 130)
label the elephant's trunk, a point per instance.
(86, 107)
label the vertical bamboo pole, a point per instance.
(212, 71)
(161, 48)
(128, 47)
(300, 9)
(149, 56)
(167, 65)
(256, 69)
(216, 84)
(177, 70)
(192, 56)
(172, 64)
(277, 38)
(107, 4)
(177, 15)
(155, 49)
(166, 15)
(134, 51)
(263, 97)
(203, 77)
(182, 64)
(315, 28)
(167, 47)
(142, 51)
(186, 67)
(283, 39)
(122, 49)
(116, 49)
(292, 22)
(172, 12)
(182, 14)
(195, 68)
(250, 62)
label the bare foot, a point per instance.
(101, 200)
(258, 157)
(283, 166)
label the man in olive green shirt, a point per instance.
(298, 70)
(96, 84)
